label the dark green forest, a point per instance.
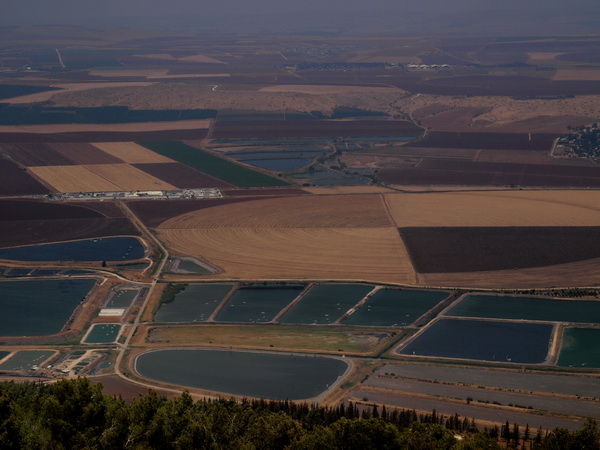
(75, 414)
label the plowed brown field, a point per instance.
(320, 238)
(131, 153)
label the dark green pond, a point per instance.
(25, 360)
(325, 303)
(257, 304)
(103, 333)
(580, 348)
(483, 340)
(195, 304)
(39, 307)
(262, 375)
(528, 308)
(395, 307)
(101, 249)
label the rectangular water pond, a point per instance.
(104, 249)
(39, 307)
(194, 304)
(580, 348)
(261, 375)
(528, 308)
(103, 333)
(326, 303)
(257, 304)
(395, 307)
(483, 340)
(26, 360)
(122, 298)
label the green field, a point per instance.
(580, 348)
(212, 165)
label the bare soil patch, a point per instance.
(182, 176)
(81, 153)
(316, 89)
(493, 141)
(577, 74)
(29, 232)
(15, 181)
(35, 210)
(469, 249)
(468, 173)
(34, 155)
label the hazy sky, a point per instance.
(169, 13)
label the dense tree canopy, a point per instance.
(72, 414)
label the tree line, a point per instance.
(76, 414)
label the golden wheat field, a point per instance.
(131, 153)
(98, 178)
(354, 236)
(347, 237)
(488, 209)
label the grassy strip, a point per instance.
(299, 338)
(212, 165)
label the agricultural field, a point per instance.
(212, 165)
(448, 171)
(352, 236)
(98, 178)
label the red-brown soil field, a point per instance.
(34, 155)
(154, 212)
(15, 181)
(493, 141)
(27, 232)
(82, 153)
(24, 222)
(182, 176)
(470, 249)
(468, 173)
(35, 210)
(265, 129)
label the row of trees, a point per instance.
(73, 414)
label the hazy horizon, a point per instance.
(548, 17)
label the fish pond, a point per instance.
(483, 340)
(261, 375)
(580, 348)
(122, 298)
(194, 304)
(103, 333)
(26, 359)
(395, 307)
(257, 304)
(528, 308)
(326, 303)
(39, 307)
(101, 249)
(280, 165)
